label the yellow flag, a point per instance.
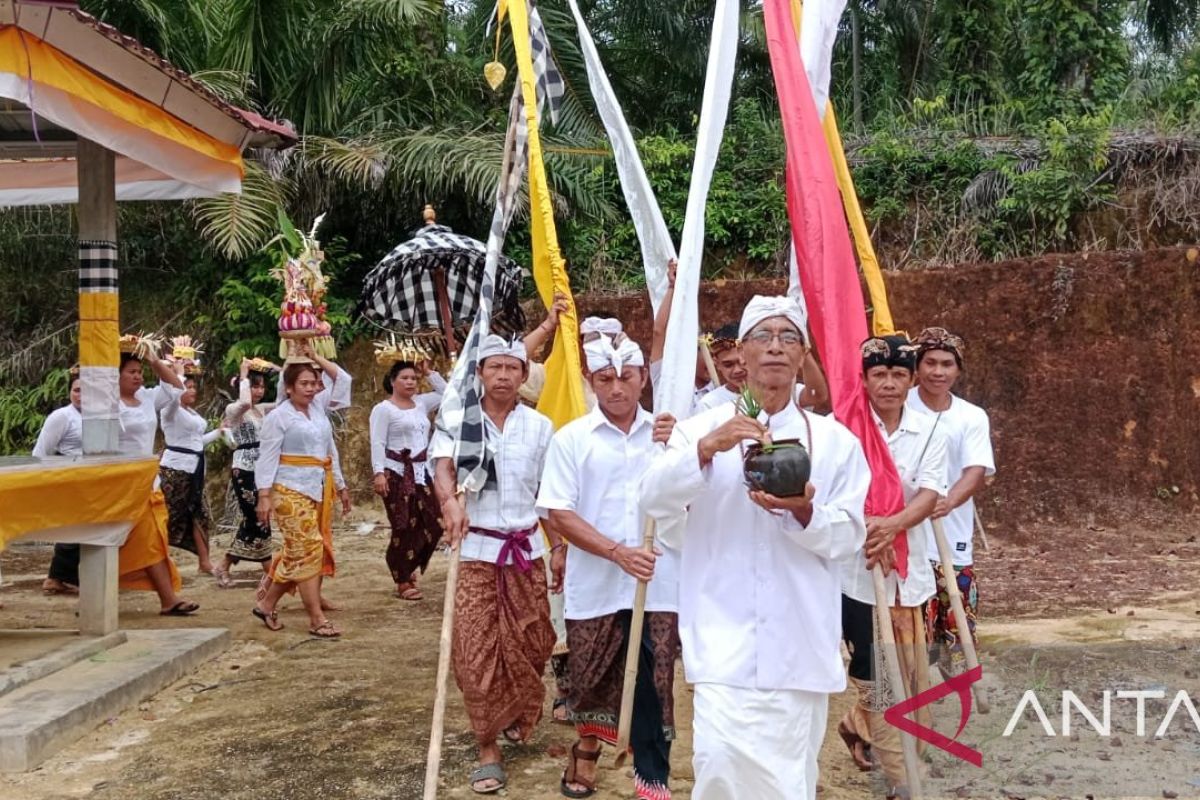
(562, 396)
(881, 319)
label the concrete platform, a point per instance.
(30, 655)
(45, 714)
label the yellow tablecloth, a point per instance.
(58, 492)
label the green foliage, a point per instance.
(23, 409)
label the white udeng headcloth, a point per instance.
(601, 354)
(606, 325)
(495, 345)
(762, 307)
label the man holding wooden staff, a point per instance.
(918, 449)
(503, 636)
(590, 494)
(759, 572)
(969, 461)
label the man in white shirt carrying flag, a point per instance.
(759, 584)
(502, 634)
(590, 494)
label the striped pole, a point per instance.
(99, 326)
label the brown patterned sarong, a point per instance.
(501, 646)
(413, 513)
(187, 508)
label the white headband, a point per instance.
(602, 354)
(495, 345)
(762, 308)
(600, 325)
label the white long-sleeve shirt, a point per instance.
(61, 435)
(399, 429)
(518, 456)
(759, 594)
(595, 469)
(183, 427)
(288, 431)
(139, 423)
(243, 419)
(919, 453)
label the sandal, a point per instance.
(224, 579)
(184, 608)
(512, 734)
(862, 757)
(407, 591)
(488, 772)
(560, 703)
(571, 773)
(53, 586)
(325, 631)
(270, 620)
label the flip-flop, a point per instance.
(409, 593)
(485, 772)
(224, 579)
(561, 702)
(852, 741)
(267, 619)
(62, 588)
(184, 608)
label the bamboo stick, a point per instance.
(959, 610)
(433, 762)
(912, 764)
(982, 531)
(632, 653)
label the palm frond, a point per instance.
(236, 225)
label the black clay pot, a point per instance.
(783, 470)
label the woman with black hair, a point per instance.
(243, 420)
(400, 431)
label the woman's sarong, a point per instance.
(252, 541)
(413, 513)
(297, 519)
(322, 518)
(501, 646)
(145, 547)
(187, 508)
(597, 666)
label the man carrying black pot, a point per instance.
(918, 449)
(759, 571)
(969, 461)
(589, 492)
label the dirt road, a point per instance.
(283, 716)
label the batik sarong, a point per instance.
(502, 641)
(413, 513)
(596, 662)
(187, 508)
(297, 517)
(873, 685)
(945, 645)
(252, 542)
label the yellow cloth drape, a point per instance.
(881, 321)
(562, 397)
(40, 497)
(50, 67)
(146, 546)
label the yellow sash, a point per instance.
(325, 516)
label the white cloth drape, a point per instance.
(655, 239)
(675, 394)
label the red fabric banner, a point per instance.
(828, 272)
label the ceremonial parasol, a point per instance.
(433, 280)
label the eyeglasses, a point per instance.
(786, 338)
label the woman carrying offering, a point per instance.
(297, 474)
(181, 469)
(144, 560)
(400, 432)
(243, 420)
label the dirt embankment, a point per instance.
(1089, 365)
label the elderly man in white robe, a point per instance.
(502, 632)
(590, 495)
(759, 586)
(918, 449)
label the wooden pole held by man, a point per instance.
(632, 654)
(958, 609)
(433, 761)
(885, 637)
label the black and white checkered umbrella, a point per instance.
(401, 291)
